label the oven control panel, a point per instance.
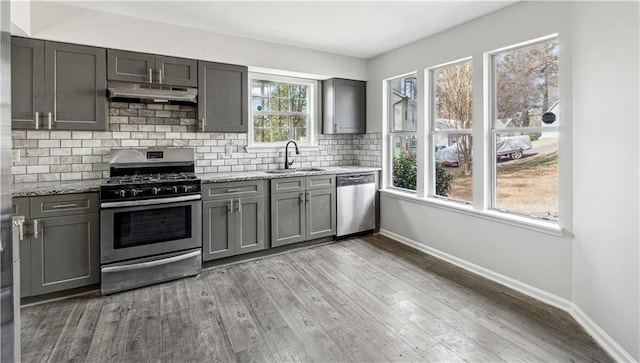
(149, 191)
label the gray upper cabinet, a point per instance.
(222, 97)
(27, 85)
(149, 68)
(58, 86)
(233, 218)
(344, 106)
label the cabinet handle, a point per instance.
(21, 230)
(230, 207)
(238, 206)
(301, 197)
(203, 124)
(308, 197)
(68, 205)
(335, 127)
(234, 190)
(35, 228)
(150, 75)
(160, 76)
(37, 120)
(50, 120)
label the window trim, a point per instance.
(390, 133)
(432, 131)
(314, 123)
(492, 187)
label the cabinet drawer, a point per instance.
(20, 207)
(63, 205)
(285, 185)
(321, 182)
(233, 189)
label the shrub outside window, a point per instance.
(403, 142)
(451, 128)
(282, 109)
(525, 125)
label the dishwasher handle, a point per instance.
(346, 180)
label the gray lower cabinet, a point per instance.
(149, 68)
(60, 247)
(222, 97)
(302, 209)
(343, 106)
(233, 219)
(58, 86)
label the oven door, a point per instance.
(144, 228)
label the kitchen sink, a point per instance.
(293, 170)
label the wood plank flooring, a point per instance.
(365, 299)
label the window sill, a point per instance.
(542, 226)
(279, 148)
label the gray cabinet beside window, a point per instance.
(59, 246)
(149, 68)
(233, 219)
(222, 97)
(302, 209)
(343, 106)
(57, 86)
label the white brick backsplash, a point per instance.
(75, 155)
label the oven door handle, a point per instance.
(138, 203)
(142, 265)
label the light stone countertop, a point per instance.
(93, 185)
(257, 175)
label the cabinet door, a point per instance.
(64, 253)
(75, 87)
(130, 66)
(250, 225)
(27, 81)
(177, 71)
(222, 97)
(287, 218)
(218, 229)
(344, 106)
(321, 213)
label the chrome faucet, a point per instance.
(288, 164)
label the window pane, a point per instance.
(527, 173)
(453, 172)
(403, 103)
(526, 84)
(404, 161)
(452, 98)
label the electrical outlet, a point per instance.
(15, 156)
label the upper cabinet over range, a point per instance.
(343, 108)
(57, 86)
(149, 68)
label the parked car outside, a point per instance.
(511, 146)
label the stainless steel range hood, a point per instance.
(151, 92)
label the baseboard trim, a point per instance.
(607, 343)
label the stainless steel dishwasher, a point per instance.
(356, 203)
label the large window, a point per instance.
(282, 108)
(525, 130)
(403, 143)
(451, 127)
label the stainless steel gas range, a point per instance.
(150, 219)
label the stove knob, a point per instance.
(185, 188)
(134, 192)
(154, 191)
(175, 189)
(122, 193)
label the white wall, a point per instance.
(606, 279)
(57, 22)
(596, 263)
(537, 259)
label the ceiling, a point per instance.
(361, 29)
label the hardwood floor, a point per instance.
(358, 300)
